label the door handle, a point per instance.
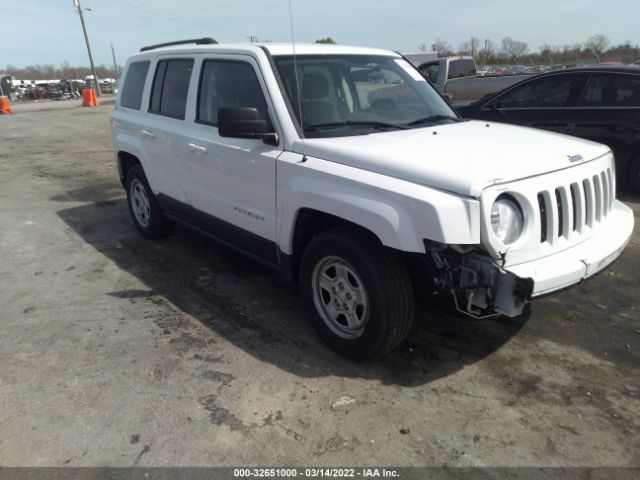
(197, 148)
(148, 134)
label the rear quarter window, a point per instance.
(134, 84)
(462, 68)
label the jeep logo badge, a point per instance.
(574, 158)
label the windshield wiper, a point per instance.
(355, 123)
(432, 119)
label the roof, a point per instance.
(322, 48)
(599, 68)
(273, 48)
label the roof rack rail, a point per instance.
(197, 41)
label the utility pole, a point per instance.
(252, 38)
(485, 51)
(115, 64)
(86, 39)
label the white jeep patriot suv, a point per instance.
(345, 168)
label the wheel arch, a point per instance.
(309, 223)
(125, 161)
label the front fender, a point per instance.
(400, 213)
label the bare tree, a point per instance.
(513, 48)
(463, 48)
(442, 47)
(328, 40)
(549, 53)
(474, 46)
(422, 47)
(597, 44)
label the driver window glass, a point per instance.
(430, 71)
(228, 84)
(553, 91)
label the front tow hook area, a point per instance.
(479, 287)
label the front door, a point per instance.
(233, 180)
(542, 102)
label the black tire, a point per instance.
(157, 225)
(634, 175)
(386, 282)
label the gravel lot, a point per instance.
(115, 350)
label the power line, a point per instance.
(164, 15)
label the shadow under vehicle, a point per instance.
(257, 310)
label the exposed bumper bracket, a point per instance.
(480, 288)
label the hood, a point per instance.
(464, 157)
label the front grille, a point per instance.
(569, 210)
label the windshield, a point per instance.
(359, 94)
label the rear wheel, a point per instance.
(143, 206)
(358, 293)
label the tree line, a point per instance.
(63, 71)
(595, 49)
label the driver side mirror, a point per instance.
(245, 122)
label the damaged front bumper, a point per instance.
(480, 288)
(581, 261)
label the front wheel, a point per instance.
(358, 293)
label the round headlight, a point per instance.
(506, 220)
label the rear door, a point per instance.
(608, 112)
(232, 181)
(542, 102)
(166, 131)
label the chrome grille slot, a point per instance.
(560, 209)
(565, 212)
(606, 203)
(597, 188)
(543, 217)
(578, 207)
(587, 190)
(549, 217)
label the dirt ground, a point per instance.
(119, 351)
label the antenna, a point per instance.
(298, 86)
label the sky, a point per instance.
(49, 31)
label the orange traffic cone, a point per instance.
(5, 106)
(96, 102)
(89, 98)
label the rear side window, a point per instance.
(228, 84)
(610, 90)
(171, 87)
(134, 84)
(462, 68)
